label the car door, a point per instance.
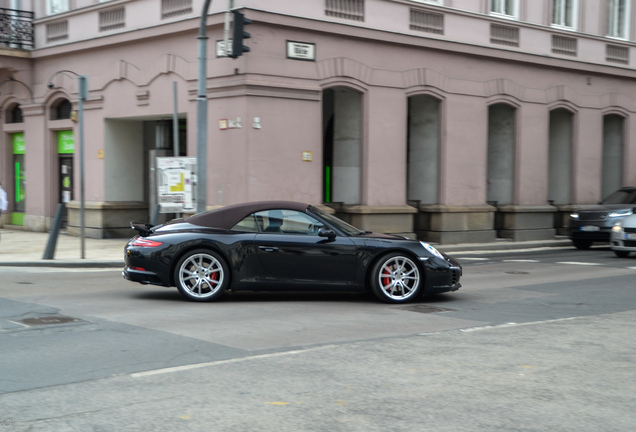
(291, 250)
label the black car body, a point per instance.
(283, 245)
(594, 223)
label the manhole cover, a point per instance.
(49, 320)
(426, 309)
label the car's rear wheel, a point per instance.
(621, 254)
(582, 244)
(396, 278)
(202, 275)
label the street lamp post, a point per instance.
(202, 113)
(82, 89)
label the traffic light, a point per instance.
(238, 34)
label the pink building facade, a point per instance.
(451, 120)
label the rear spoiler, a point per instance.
(143, 228)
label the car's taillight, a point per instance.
(142, 242)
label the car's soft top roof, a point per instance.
(227, 217)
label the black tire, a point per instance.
(621, 254)
(582, 244)
(202, 275)
(396, 278)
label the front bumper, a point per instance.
(620, 243)
(578, 232)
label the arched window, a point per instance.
(61, 109)
(14, 114)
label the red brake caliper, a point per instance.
(386, 280)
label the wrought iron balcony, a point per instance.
(16, 28)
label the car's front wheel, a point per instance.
(621, 254)
(396, 278)
(202, 275)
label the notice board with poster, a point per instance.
(176, 184)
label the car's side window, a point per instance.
(246, 225)
(286, 222)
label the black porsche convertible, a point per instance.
(280, 245)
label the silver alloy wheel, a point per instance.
(201, 275)
(399, 278)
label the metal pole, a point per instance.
(82, 82)
(202, 112)
(175, 121)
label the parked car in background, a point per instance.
(623, 237)
(594, 224)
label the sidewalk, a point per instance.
(26, 248)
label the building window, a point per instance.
(14, 114)
(618, 18)
(61, 110)
(56, 6)
(564, 13)
(506, 8)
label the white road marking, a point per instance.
(512, 324)
(499, 326)
(579, 263)
(472, 258)
(221, 362)
(522, 261)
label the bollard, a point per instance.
(49, 252)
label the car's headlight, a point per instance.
(617, 228)
(432, 250)
(574, 215)
(621, 213)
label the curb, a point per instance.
(64, 264)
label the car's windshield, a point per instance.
(621, 197)
(336, 223)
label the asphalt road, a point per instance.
(534, 341)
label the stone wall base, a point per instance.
(525, 223)
(455, 224)
(381, 219)
(104, 220)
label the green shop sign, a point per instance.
(65, 142)
(18, 143)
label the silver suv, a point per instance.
(594, 223)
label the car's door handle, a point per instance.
(268, 248)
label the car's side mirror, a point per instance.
(326, 232)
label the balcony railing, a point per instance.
(16, 28)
